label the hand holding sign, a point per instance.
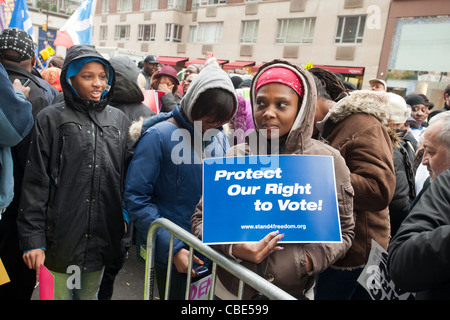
(257, 251)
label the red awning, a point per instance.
(343, 70)
(255, 68)
(238, 65)
(172, 61)
(202, 61)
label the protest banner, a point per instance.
(376, 280)
(244, 199)
(200, 289)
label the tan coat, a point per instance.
(357, 127)
(287, 268)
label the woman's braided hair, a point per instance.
(329, 86)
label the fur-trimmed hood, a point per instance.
(362, 101)
(371, 102)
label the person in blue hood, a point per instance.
(70, 214)
(164, 178)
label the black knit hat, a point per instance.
(414, 99)
(19, 41)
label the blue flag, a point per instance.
(20, 18)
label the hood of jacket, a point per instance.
(126, 88)
(75, 53)
(211, 77)
(301, 131)
(370, 102)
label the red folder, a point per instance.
(152, 99)
(46, 284)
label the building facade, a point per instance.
(345, 36)
(415, 49)
(401, 41)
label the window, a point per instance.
(149, 5)
(249, 31)
(147, 32)
(105, 6)
(103, 33)
(174, 32)
(176, 4)
(350, 29)
(124, 6)
(299, 30)
(195, 4)
(193, 34)
(122, 33)
(206, 2)
(209, 32)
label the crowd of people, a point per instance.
(86, 167)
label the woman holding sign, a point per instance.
(283, 98)
(164, 178)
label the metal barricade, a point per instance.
(244, 275)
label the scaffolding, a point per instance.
(245, 276)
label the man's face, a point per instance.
(150, 68)
(436, 156)
(377, 86)
(190, 70)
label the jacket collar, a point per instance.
(22, 72)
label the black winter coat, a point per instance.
(19, 152)
(72, 191)
(419, 255)
(404, 188)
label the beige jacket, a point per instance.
(287, 268)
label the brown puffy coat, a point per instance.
(357, 127)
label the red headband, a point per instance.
(281, 75)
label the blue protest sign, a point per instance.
(245, 198)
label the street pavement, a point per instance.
(129, 284)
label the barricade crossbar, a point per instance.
(245, 276)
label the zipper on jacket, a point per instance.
(94, 147)
(63, 142)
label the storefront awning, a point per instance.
(343, 70)
(255, 68)
(172, 61)
(238, 65)
(202, 61)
